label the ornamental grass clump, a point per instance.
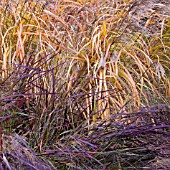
(68, 66)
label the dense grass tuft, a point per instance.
(86, 83)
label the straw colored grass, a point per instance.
(67, 65)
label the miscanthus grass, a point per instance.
(86, 83)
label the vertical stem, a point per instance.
(1, 139)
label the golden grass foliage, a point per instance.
(76, 73)
(114, 53)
